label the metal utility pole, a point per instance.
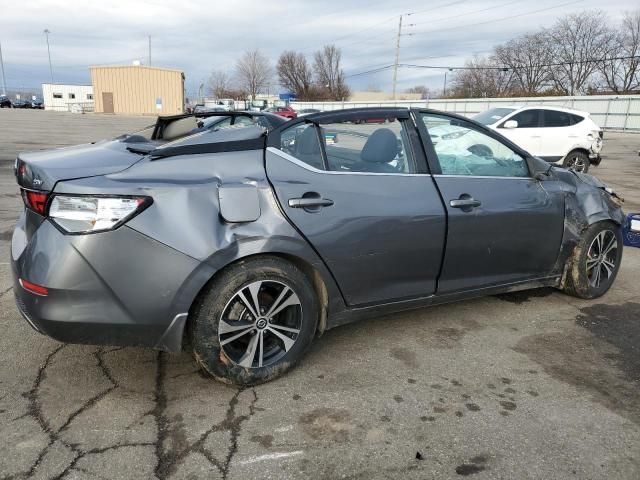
(4, 80)
(444, 88)
(47, 32)
(149, 50)
(395, 65)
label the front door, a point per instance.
(503, 226)
(107, 102)
(358, 191)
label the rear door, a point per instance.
(360, 194)
(503, 226)
(558, 134)
(527, 135)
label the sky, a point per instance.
(198, 36)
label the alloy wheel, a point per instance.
(601, 258)
(576, 164)
(260, 323)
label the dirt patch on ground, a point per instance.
(327, 424)
(601, 360)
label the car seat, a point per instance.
(380, 149)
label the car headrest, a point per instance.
(179, 128)
(308, 143)
(381, 147)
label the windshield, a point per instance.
(493, 115)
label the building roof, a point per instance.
(148, 67)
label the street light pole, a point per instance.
(149, 50)
(47, 32)
(4, 80)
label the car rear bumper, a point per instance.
(114, 288)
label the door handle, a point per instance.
(306, 202)
(465, 203)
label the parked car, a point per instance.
(286, 112)
(242, 245)
(5, 102)
(554, 134)
(22, 103)
(37, 104)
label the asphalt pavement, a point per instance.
(524, 385)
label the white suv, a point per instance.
(552, 133)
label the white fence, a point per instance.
(609, 111)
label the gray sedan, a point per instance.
(243, 244)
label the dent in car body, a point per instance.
(586, 202)
(186, 192)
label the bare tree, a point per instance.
(579, 42)
(482, 77)
(421, 89)
(620, 69)
(219, 84)
(294, 74)
(253, 72)
(329, 73)
(527, 57)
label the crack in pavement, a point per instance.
(168, 461)
(34, 410)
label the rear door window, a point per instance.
(368, 145)
(555, 118)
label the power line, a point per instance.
(419, 12)
(470, 13)
(499, 68)
(496, 19)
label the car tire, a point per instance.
(234, 346)
(577, 161)
(595, 261)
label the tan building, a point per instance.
(137, 89)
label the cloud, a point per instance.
(198, 37)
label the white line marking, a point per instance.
(271, 456)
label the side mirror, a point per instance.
(510, 124)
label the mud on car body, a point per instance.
(243, 244)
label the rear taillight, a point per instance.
(33, 288)
(89, 214)
(36, 201)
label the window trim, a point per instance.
(432, 156)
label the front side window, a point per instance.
(368, 145)
(556, 118)
(463, 150)
(527, 119)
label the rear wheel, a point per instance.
(577, 161)
(255, 321)
(595, 262)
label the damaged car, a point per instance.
(244, 244)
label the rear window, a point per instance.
(492, 116)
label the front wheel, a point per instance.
(577, 161)
(255, 322)
(595, 261)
